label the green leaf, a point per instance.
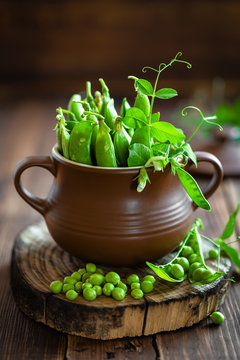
(164, 131)
(192, 188)
(160, 149)
(155, 117)
(134, 118)
(229, 229)
(138, 155)
(166, 93)
(231, 253)
(187, 150)
(144, 86)
(162, 273)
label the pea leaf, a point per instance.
(144, 86)
(142, 136)
(231, 253)
(142, 179)
(161, 271)
(166, 93)
(160, 149)
(138, 155)
(134, 118)
(164, 131)
(187, 150)
(192, 188)
(229, 229)
(155, 117)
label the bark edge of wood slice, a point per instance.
(37, 260)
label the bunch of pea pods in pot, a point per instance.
(94, 133)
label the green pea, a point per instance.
(67, 287)
(112, 277)
(177, 271)
(96, 279)
(118, 293)
(146, 286)
(197, 274)
(217, 317)
(149, 278)
(105, 152)
(194, 266)
(206, 274)
(81, 271)
(187, 251)
(132, 278)
(107, 289)
(86, 285)
(183, 261)
(110, 114)
(136, 285)
(122, 286)
(194, 258)
(121, 141)
(78, 286)
(192, 242)
(76, 275)
(98, 289)
(56, 286)
(89, 294)
(69, 280)
(99, 271)
(125, 105)
(213, 254)
(71, 295)
(80, 142)
(137, 293)
(91, 268)
(142, 103)
(76, 107)
(86, 276)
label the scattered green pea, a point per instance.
(107, 289)
(122, 286)
(183, 261)
(85, 276)
(149, 278)
(81, 271)
(137, 293)
(56, 286)
(112, 277)
(86, 285)
(213, 254)
(136, 285)
(91, 268)
(67, 287)
(76, 275)
(177, 271)
(194, 258)
(187, 251)
(98, 289)
(217, 317)
(96, 279)
(99, 271)
(71, 295)
(146, 286)
(78, 286)
(89, 294)
(132, 278)
(69, 280)
(118, 293)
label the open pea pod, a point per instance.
(164, 273)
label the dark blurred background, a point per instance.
(51, 48)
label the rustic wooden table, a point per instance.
(26, 129)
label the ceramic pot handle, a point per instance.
(43, 161)
(217, 175)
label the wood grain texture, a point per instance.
(37, 261)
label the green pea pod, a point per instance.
(125, 105)
(110, 115)
(121, 141)
(105, 153)
(65, 142)
(98, 100)
(93, 144)
(59, 140)
(90, 98)
(106, 95)
(62, 134)
(70, 114)
(70, 124)
(75, 107)
(142, 103)
(192, 188)
(80, 142)
(142, 136)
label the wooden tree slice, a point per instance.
(37, 261)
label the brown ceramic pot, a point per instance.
(97, 214)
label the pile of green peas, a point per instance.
(91, 283)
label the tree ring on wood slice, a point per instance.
(37, 260)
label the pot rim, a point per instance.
(100, 169)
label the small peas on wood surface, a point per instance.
(91, 282)
(95, 134)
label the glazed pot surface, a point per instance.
(97, 214)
